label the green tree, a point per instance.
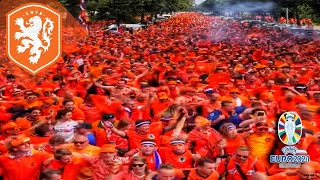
(72, 6)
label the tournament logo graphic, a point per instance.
(290, 132)
(33, 36)
(290, 128)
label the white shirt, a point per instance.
(66, 129)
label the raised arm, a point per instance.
(109, 125)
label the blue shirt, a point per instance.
(234, 118)
(91, 139)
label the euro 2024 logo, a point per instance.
(290, 132)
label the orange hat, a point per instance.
(260, 66)
(193, 79)
(234, 90)
(9, 125)
(163, 95)
(19, 141)
(47, 89)
(172, 82)
(241, 82)
(201, 121)
(108, 148)
(48, 101)
(266, 95)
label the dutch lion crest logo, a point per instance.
(34, 36)
(29, 36)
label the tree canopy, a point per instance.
(128, 10)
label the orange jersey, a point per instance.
(251, 166)
(71, 170)
(233, 144)
(184, 160)
(194, 175)
(136, 138)
(26, 168)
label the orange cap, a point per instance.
(108, 148)
(172, 82)
(19, 140)
(234, 90)
(201, 121)
(163, 95)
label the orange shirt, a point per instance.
(91, 113)
(251, 166)
(77, 114)
(26, 168)
(136, 138)
(184, 160)
(261, 145)
(195, 176)
(233, 144)
(89, 150)
(70, 171)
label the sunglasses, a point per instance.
(79, 142)
(234, 93)
(262, 129)
(252, 99)
(240, 156)
(137, 165)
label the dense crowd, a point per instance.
(193, 97)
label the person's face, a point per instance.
(241, 156)
(108, 156)
(285, 70)
(32, 98)
(166, 174)
(262, 130)
(228, 107)
(69, 106)
(66, 159)
(234, 94)
(241, 86)
(260, 116)
(207, 169)
(144, 129)
(120, 84)
(147, 149)
(172, 86)
(25, 147)
(55, 177)
(307, 174)
(232, 132)
(55, 147)
(178, 148)
(36, 113)
(80, 143)
(11, 80)
(68, 116)
(138, 167)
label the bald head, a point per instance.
(306, 172)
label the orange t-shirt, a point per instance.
(184, 160)
(195, 176)
(26, 168)
(70, 171)
(233, 144)
(136, 138)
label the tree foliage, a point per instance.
(127, 10)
